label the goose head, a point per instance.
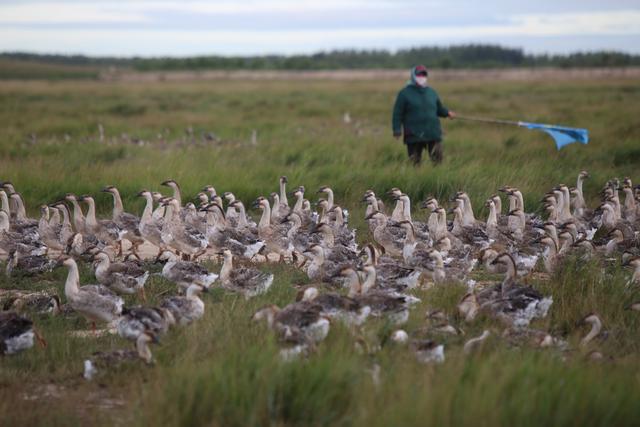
(377, 215)
(298, 192)
(8, 186)
(144, 193)
(260, 203)
(101, 257)
(322, 204)
(110, 189)
(324, 189)
(202, 197)
(171, 184)
(229, 196)
(157, 196)
(209, 190)
(226, 254)
(583, 175)
(399, 336)
(315, 252)
(70, 197)
(267, 313)
(283, 180)
(487, 254)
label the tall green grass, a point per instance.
(225, 369)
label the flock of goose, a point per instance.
(350, 283)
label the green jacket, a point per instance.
(417, 111)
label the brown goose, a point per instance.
(244, 280)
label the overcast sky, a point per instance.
(182, 28)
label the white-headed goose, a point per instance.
(93, 303)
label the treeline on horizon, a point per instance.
(463, 56)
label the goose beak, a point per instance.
(105, 190)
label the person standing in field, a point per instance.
(417, 112)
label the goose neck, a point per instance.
(71, 286)
(596, 326)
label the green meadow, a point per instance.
(240, 136)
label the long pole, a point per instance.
(479, 119)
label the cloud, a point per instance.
(144, 36)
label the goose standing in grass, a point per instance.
(129, 223)
(381, 304)
(28, 265)
(54, 236)
(94, 303)
(389, 237)
(104, 360)
(243, 280)
(188, 308)
(78, 216)
(302, 319)
(184, 273)
(38, 303)
(273, 235)
(180, 236)
(177, 193)
(337, 306)
(122, 277)
(139, 320)
(104, 230)
(389, 271)
(17, 333)
(150, 228)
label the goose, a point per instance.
(522, 336)
(301, 321)
(274, 236)
(398, 211)
(550, 255)
(17, 333)
(105, 230)
(150, 228)
(180, 236)
(40, 303)
(596, 327)
(340, 252)
(320, 268)
(385, 237)
(284, 203)
(473, 344)
(634, 262)
(220, 235)
(54, 236)
(28, 265)
(427, 351)
(188, 308)
(127, 222)
(245, 224)
(389, 271)
(337, 306)
(177, 194)
(103, 360)
(515, 304)
(55, 217)
(139, 320)
(78, 217)
(329, 192)
(247, 281)
(391, 305)
(11, 241)
(618, 241)
(21, 220)
(8, 205)
(469, 218)
(93, 303)
(184, 273)
(122, 277)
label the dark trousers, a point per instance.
(415, 151)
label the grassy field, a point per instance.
(225, 370)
